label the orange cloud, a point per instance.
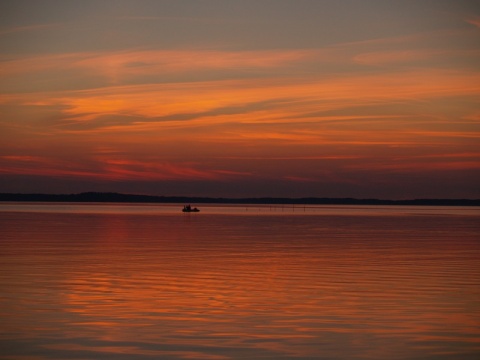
(402, 56)
(227, 116)
(36, 64)
(271, 104)
(299, 95)
(413, 57)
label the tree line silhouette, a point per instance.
(131, 198)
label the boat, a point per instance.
(188, 208)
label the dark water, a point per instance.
(148, 282)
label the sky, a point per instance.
(241, 98)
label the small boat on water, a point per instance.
(188, 208)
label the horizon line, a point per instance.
(93, 196)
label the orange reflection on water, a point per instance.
(250, 286)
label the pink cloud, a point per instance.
(104, 167)
(154, 170)
(475, 21)
(43, 166)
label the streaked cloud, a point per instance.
(110, 168)
(134, 65)
(285, 98)
(29, 28)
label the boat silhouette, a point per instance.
(188, 208)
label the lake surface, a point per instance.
(136, 281)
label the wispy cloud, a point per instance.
(29, 28)
(111, 168)
(176, 19)
(395, 56)
(94, 69)
(409, 167)
(134, 65)
(354, 110)
(474, 20)
(192, 101)
(215, 114)
(156, 170)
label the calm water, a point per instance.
(112, 281)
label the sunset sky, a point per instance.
(240, 98)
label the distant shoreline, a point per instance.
(130, 198)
